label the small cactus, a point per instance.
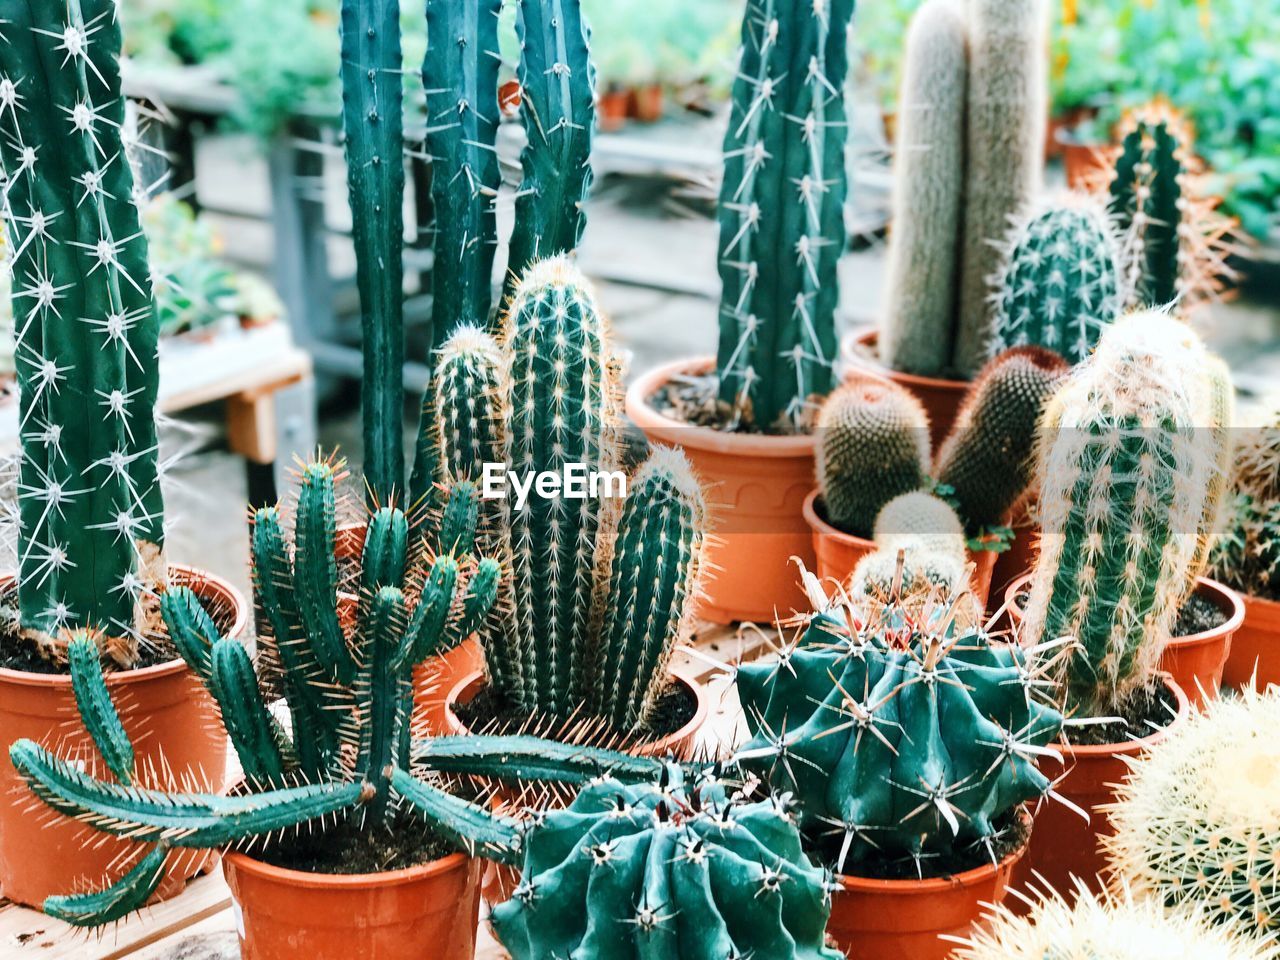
(920, 550)
(1257, 459)
(1059, 285)
(922, 518)
(873, 445)
(1246, 554)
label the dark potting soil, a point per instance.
(349, 848)
(1146, 712)
(1198, 615)
(695, 399)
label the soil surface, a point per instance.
(695, 399)
(348, 848)
(1146, 712)
(1198, 615)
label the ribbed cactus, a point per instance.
(1197, 822)
(557, 87)
(901, 734)
(987, 461)
(1004, 161)
(1127, 459)
(873, 445)
(669, 870)
(782, 211)
(91, 532)
(917, 323)
(1060, 282)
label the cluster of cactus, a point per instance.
(1246, 554)
(782, 212)
(667, 869)
(1197, 821)
(1131, 468)
(901, 733)
(1060, 282)
(970, 156)
(91, 516)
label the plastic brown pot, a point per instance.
(646, 103)
(1021, 555)
(940, 398)
(1255, 649)
(755, 487)
(427, 911)
(173, 723)
(905, 919)
(611, 109)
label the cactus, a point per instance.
(922, 518)
(1126, 459)
(782, 212)
(91, 517)
(1059, 284)
(1246, 555)
(1257, 459)
(1196, 821)
(672, 870)
(873, 445)
(1111, 927)
(917, 324)
(557, 84)
(987, 461)
(901, 734)
(1004, 166)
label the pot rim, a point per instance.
(679, 434)
(876, 367)
(822, 528)
(198, 577)
(284, 876)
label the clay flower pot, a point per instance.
(172, 721)
(1255, 649)
(941, 398)
(905, 919)
(429, 910)
(755, 487)
(645, 103)
(611, 109)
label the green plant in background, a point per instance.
(1128, 454)
(91, 517)
(1246, 554)
(640, 42)
(902, 734)
(782, 212)
(878, 49)
(1197, 823)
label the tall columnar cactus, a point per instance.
(987, 462)
(1197, 821)
(901, 734)
(91, 516)
(873, 444)
(1126, 463)
(1004, 162)
(917, 328)
(557, 87)
(782, 211)
(677, 871)
(1061, 279)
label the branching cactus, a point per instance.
(91, 531)
(873, 445)
(782, 211)
(673, 870)
(1197, 821)
(1127, 459)
(1060, 283)
(901, 735)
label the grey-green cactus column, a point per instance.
(782, 209)
(92, 520)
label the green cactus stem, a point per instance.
(782, 212)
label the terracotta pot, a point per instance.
(941, 398)
(904, 919)
(432, 910)
(1255, 649)
(646, 103)
(755, 488)
(611, 110)
(1082, 161)
(172, 721)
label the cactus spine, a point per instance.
(1060, 282)
(917, 323)
(782, 211)
(91, 518)
(1008, 87)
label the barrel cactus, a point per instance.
(782, 212)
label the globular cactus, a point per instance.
(673, 870)
(873, 445)
(1257, 459)
(557, 87)
(782, 211)
(987, 462)
(920, 550)
(1197, 820)
(1004, 161)
(1126, 464)
(1246, 553)
(91, 516)
(1060, 282)
(922, 518)
(901, 733)
(1112, 927)
(917, 323)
